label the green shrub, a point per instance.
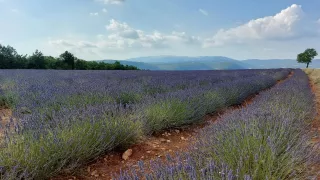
(165, 114)
(8, 100)
(128, 97)
(42, 156)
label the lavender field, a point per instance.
(270, 139)
(63, 119)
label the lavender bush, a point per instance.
(269, 139)
(67, 118)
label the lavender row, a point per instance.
(56, 136)
(269, 139)
(28, 90)
(157, 111)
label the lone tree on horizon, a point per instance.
(307, 56)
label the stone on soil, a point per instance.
(127, 154)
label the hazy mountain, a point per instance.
(210, 63)
(200, 65)
(183, 63)
(140, 65)
(178, 59)
(279, 63)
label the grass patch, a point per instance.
(165, 114)
(8, 98)
(128, 97)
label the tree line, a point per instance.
(10, 59)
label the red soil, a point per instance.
(5, 115)
(316, 124)
(157, 146)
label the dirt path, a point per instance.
(315, 86)
(150, 148)
(5, 116)
(316, 128)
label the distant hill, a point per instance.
(209, 63)
(279, 63)
(140, 65)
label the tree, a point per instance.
(22, 62)
(50, 62)
(307, 56)
(69, 59)
(8, 57)
(81, 64)
(37, 60)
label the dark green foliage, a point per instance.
(82, 65)
(165, 114)
(68, 58)
(37, 60)
(93, 65)
(125, 98)
(8, 100)
(307, 56)
(10, 59)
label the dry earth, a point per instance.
(314, 75)
(5, 116)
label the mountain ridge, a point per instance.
(209, 63)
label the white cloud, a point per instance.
(104, 10)
(70, 44)
(83, 49)
(156, 39)
(126, 36)
(94, 14)
(122, 30)
(122, 36)
(183, 37)
(86, 44)
(61, 42)
(204, 12)
(117, 26)
(259, 34)
(112, 1)
(283, 25)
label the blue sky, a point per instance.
(120, 29)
